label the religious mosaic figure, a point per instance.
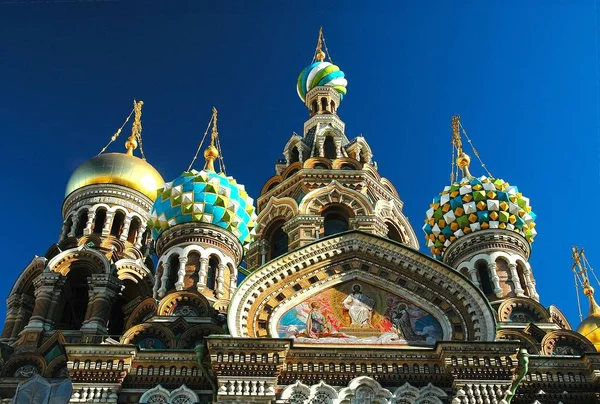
(360, 307)
(317, 324)
(402, 323)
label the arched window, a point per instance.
(213, 264)
(347, 166)
(277, 238)
(173, 269)
(329, 148)
(393, 233)
(81, 222)
(522, 279)
(117, 224)
(74, 299)
(99, 221)
(335, 220)
(67, 226)
(332, 106)
(323, 104)
(315, 107)
(294, 155)
(484, 277)
(134, 230)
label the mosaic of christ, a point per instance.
(358, 313)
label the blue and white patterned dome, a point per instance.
(205, 197)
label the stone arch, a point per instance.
(196, 301)
(387, 184)
(271, 183)
(285, 207)
(139, 333)
(194, 335)
(145, 309)
(158, 392)
(323, 393)
(405, 394)
(340, 163)
(392, 212)
(364, 387)
(556, 339)
(513, 306)
(297, 393)
(24, 365)
(268, 292)
(527, 341)
(32, 271)
(335, 193)
(558, 318)
(291, 170)
(56, 367)
(93, 260)
(316, 162)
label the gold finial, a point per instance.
(462, 159)
(211, 153)
(136, 129)
(581, 268)
(319, 54)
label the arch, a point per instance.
(134, 229)
(99, 220)
(364, 387)
(74, 299)
(314, 201)
(324, 106)
(194, 335)
(138, 273)
(271, 184)
(156, 394)
(297, 393)
(145, 309)
(25, 280)
(345, 163)
(195, 300)
(483, 276)
(527, 341)
(329, 148)
(314, 162)
(88, 258)
(117, 224)
(294, 155)
(391, 211)
(522, 280)
(149, 336)
(277, 237)
(336, 219)
(577, 343)
(82, 216)
(389, 186)
(522, 310)
(291, 170)
(393, 233)
(285, 208)
(257, 306)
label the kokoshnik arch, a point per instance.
(335, 303)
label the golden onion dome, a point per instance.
(590, 326)
(120, 169)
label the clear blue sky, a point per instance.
(523, 75)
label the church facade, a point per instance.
(189, 291)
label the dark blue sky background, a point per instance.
(523, 75)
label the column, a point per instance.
(58, 285)
(44, 292)
(125, 230)
(474, 279)
(74, 225)
(140, 237)
(338, 148)
(64, 231)
(90, 221)
(233, 284)
(181, 273)
(220, 292)
(495, 279)
(12, 305)
(164, 279)
(514, 277)
(108, 223)
(202, 274)
(530, 283)
(105, 289)
(263, 250)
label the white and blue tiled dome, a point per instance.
(474, 204)
(204, 197)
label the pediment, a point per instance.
(333, 266)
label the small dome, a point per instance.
(475, 204)
(321, 74)
(117, 168)
(205, 197)
(590, 328)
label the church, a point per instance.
(188, 290)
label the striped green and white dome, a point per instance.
(321, 74)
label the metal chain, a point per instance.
(117, 133)
(200, 145)
(475, 151)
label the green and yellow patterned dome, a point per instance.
(475, 204)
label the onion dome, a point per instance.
(119, 168)
(475, 204)
(321, 73)
(590, 326)
(205, 197)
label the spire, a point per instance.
(211, 153)
(581, 269)
(136, 129)
(319, 54)
(462, 159)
